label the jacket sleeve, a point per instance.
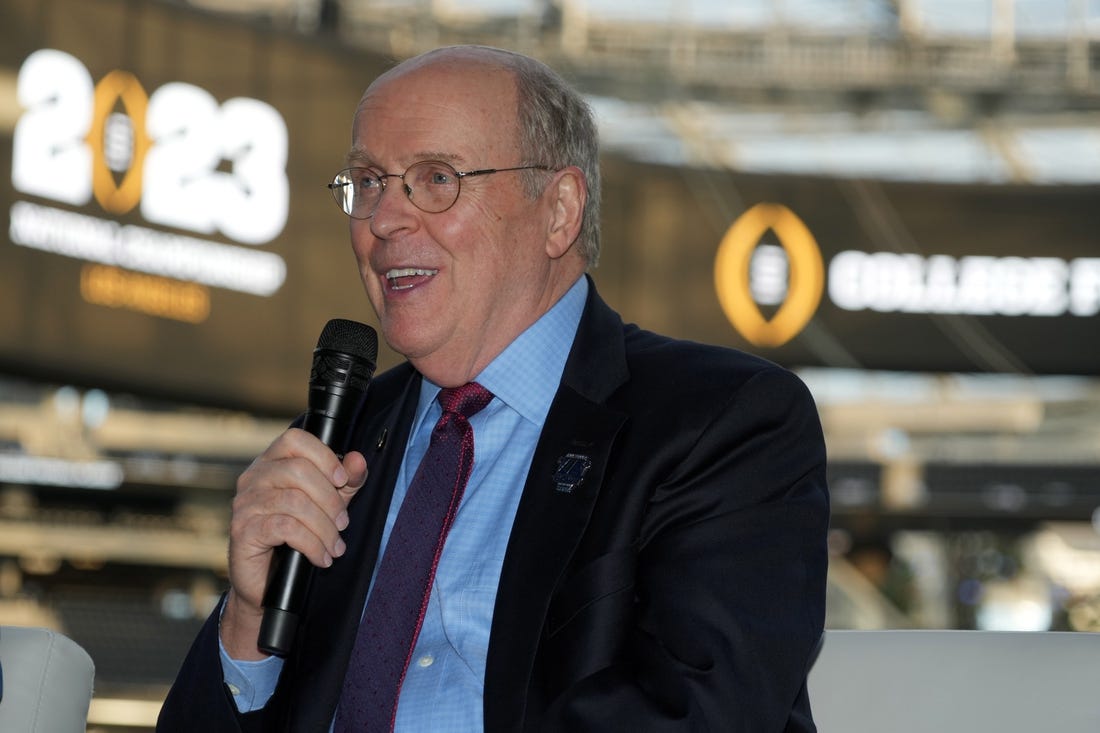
(198, 699)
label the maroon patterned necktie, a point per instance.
(396, 607)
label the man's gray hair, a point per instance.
(556, 129)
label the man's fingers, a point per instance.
(355, 469)
(297, 459)
(301, 537)
(276, 514)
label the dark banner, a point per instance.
(863, 274)
(168, 229)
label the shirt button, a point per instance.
(425, 661)
(234, 690)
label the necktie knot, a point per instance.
(467, 400)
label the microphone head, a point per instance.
(355, 339)
(345, 356)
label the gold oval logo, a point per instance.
(123, 87)
(806, 278)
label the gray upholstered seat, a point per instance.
(946, 681)
(47, 681)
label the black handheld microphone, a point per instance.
(343, 363)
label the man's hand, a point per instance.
(295, 493)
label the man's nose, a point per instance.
(393, 210)
(400, 186)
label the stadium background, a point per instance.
(148, 349)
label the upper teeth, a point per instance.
(406, 271)
(393, 275)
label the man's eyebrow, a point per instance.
(358, 158)
(451, 158)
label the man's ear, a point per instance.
(566, 194)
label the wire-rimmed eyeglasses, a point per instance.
(431, 185)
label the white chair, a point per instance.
(47, 681)
(945, 681)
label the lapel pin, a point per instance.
(570, 472)
(382, 439)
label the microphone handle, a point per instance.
(288, 584)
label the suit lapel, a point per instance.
(555, 507)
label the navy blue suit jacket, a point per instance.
(679, 587)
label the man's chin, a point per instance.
(406, 339)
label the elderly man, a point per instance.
(640, 542)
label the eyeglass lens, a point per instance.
(431, 185)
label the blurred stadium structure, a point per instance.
(960, 499)
(986, 90)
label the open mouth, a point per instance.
(408, 277)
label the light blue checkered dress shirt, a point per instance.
(444, 685)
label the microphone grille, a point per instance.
(350, 337)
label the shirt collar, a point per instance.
(525, 376)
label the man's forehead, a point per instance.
(433, 113)
(437, 88)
